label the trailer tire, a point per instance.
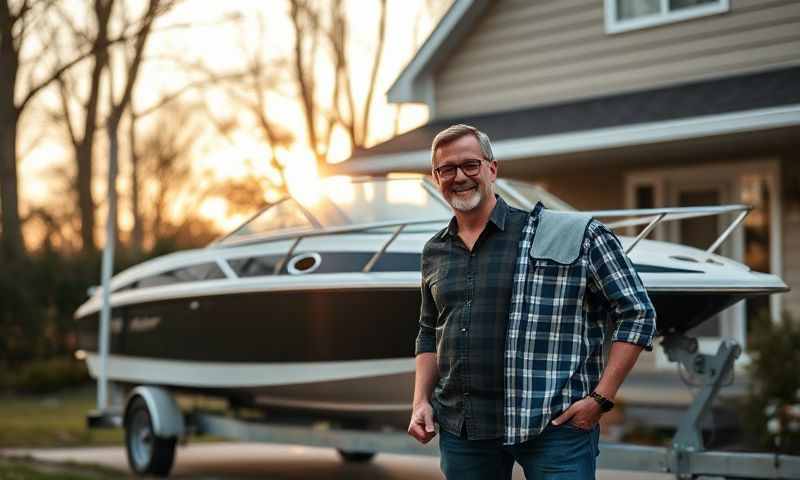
(356, 457)
(147, 453)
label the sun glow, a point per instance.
(340, 189)
(406, 192)
(216, 209)
(302, 178)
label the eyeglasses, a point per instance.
(448, 172)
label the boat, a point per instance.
(311, 305)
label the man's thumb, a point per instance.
(429, 421)
(563, 417)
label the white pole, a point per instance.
(107, 267)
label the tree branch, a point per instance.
(60, 71)
(64, 94)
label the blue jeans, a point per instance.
(558, 453)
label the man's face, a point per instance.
(464, 193)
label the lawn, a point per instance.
(54, 420)
(21, 469)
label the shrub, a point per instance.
(772, 409)
(48, 376)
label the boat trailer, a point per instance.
(154, 423)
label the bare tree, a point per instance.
(250, 89)
(17, 19)
(118, 107)
(164, 157)
(82, 128)
(357, 125)
(311, 24)
(306, 24)
(169, 102)
(83, 139)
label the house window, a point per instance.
(624, 15)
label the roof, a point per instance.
(414, 84)
(710, 99)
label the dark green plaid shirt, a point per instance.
(465, 306)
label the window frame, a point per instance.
(665, 16)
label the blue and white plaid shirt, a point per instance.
(559, 313)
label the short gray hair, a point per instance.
(454, 132)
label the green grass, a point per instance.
(53, 420)
(59, 420)
(19, 469)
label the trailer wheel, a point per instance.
(356, 457)
(147, 453)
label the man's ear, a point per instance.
(435, 177)
(493, 169)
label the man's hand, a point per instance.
(421, 426)
(583, 414)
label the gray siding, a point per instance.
(527, 53)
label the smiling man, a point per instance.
(509, 354)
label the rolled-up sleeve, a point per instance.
(615, 278)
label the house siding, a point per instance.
(600, 190)
(790, 209)
(525, 54)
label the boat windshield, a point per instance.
(343, 203)
(525, 195)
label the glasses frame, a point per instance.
(458, 167)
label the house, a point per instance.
(628, 104)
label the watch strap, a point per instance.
(605, 404)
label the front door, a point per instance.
(756, 242)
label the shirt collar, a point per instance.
(537, 209)
(498, 217)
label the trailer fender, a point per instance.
(164, 411)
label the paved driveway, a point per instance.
(229, 461)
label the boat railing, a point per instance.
(652, 217)
(398, 229)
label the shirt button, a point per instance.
(466, 394)
(469, 302)
(464, 330)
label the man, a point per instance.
(512, 324)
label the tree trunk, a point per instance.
(137, 236)
(85, 199)
(85, 149)
(13, 246)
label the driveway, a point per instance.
(229, 461)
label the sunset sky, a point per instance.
(221, 38)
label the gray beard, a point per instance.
(465, 204)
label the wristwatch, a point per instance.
(605, 404)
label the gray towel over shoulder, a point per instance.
(559, 236)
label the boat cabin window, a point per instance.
(255, 266)
(203, 271)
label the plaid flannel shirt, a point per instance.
(466, 297)
(554, 352)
